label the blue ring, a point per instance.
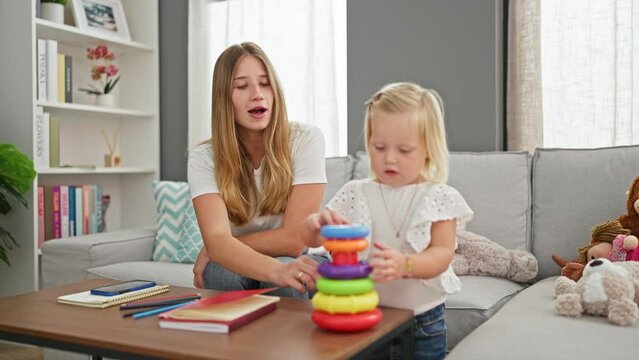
(344, 231)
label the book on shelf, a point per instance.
(52, 70)
(61, 82)
(42, 69)
(54, 141)
(40, 216)
(222, 313)
(85, 298)
(68, 78)
(41, 157)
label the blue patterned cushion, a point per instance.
(178, 236)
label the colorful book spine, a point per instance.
(68, 79)
(78, 210)
(42, 70)
(64, 211)
(41, 223)
(57, 217)
(86, 209)
(52, 70)
(61, 82)
(54, 142)
(48, 212)
(96, 219)
(72, 229)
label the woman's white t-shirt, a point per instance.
(309, 167)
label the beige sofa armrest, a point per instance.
(66, 260)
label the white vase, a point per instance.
(107, 100)
(53, 12)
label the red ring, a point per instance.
(344, 258)
(347, 322)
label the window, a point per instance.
(305, 40)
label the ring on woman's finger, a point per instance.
(299, 275)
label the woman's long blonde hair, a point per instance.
(427, 106)
(233, 167)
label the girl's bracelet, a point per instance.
(408, 268)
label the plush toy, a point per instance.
(630, 220)
(606, 289)
(477, 255)
(609, 240)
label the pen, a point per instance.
(161, 298)
(159, 302)
(152, 312)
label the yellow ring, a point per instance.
(345, 304)
(345, 245)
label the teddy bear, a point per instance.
(609, 240)
(477, 255)
(606, 289)
(630, 220)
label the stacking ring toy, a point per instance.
(345, 304)
(344, 271)
(344, 231)
(345, 287)
(344, 258)
(347, 322)
(345, 245)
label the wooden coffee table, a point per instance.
(288, 332)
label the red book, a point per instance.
(40, 216)
(222, 313)
(57, 215)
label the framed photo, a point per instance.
(105, 17)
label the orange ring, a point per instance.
(345, 245)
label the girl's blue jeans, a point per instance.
(429, 338)
(217, 277)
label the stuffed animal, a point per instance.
(630, 220)
(606, 289)
(609, 240)
(477, 255)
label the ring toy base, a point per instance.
(347, 322)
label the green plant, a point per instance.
(61, 2)
(16, 175)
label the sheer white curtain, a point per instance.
(305, 40)
(588, 52)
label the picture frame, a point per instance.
(104, 17)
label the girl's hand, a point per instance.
(301, 274)
(315, 221)
(198, 268)
(387, 263)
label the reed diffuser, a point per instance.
(112, 159)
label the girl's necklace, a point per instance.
(398, 230)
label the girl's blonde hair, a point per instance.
(233, 167)
(428, 113)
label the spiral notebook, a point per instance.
(87, 299)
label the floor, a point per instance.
(15, 351)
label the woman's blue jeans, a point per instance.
(217, 277)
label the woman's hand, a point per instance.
(300, 274)
(198, 268)
(387, 263)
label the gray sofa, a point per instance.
(545, 203)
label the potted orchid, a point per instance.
(105, 74)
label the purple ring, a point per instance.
(344, 271)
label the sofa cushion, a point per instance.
(527, 327)
(161, 272)
(496, 186)
(479, 299)
(339, 170)
(178, 236)
(573, 190)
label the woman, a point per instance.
(254, 182)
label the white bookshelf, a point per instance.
(81, 142)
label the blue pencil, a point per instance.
(159, 310)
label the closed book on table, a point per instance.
(210, 315)
(85, 298)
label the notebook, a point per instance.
(87, 299)
(220, 316)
